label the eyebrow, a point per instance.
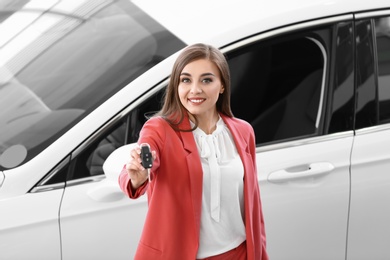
(202, 75)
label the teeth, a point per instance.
(196, 100)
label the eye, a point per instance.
(207, 80)
(185, 80)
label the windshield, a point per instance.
(61, 59)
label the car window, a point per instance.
(89, 161)
(59, 64)
(366, 105)
(341, 100)
(278, 85)
(295, 85)
(382, 33)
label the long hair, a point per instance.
(173, 111)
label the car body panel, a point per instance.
(88, 220)
(370, 195)
(312, 209)
(30, 226)
(121, 217)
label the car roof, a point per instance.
(220, 22)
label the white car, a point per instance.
(79, 78)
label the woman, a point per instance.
(203, 193)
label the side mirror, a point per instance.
(116, 160)
(108, 189)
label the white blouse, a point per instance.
(222, 226)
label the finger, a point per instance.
(135, 154)
(134, 165)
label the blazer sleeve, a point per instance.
(152, 133)
(124, 184)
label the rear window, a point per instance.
(59, 62)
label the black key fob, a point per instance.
(146, 156)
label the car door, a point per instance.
(29, 226)
(295, 86)
(369, 230)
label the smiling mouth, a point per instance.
(196, 100)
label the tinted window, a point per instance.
(278, 85)
(59, 63)
(341, 102)
(90, 160)
(382, 31)
(366, 109)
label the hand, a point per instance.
(137, 173)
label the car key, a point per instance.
(146, 157)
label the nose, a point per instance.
(195, 88)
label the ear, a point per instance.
(222, 90)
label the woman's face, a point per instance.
(199, 88)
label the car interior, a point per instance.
(281, 86)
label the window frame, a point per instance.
(303, 28)
(377, 126)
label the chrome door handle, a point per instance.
(309, 171)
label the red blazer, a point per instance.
(172, 224)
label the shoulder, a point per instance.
(156, 123)
(238, 123)
(155, 126)
(154, 132)
(240, 129)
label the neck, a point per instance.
(208, 124)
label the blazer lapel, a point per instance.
(195, 171)
(237, 136)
